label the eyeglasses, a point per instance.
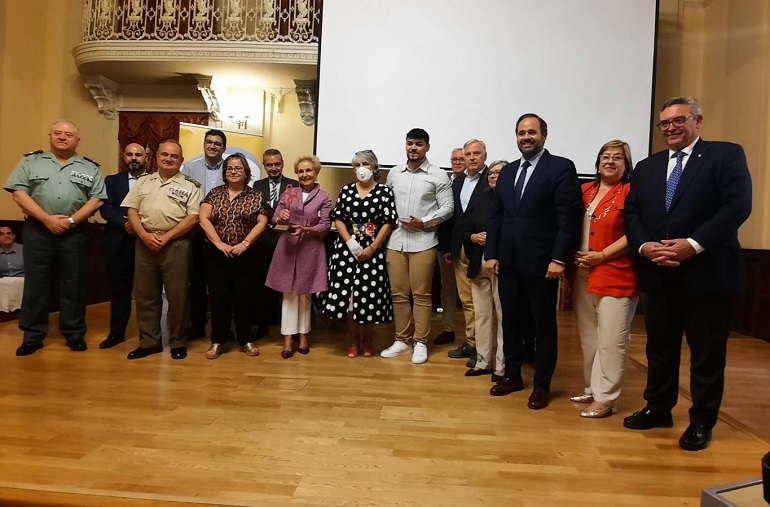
(235, 170)
(457, 160)
(676, 122)
(209, 142)
(614, 158)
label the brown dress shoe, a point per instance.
(539, 399)
(507, 386)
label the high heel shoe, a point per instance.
(582, 398)
(250, 349)
(597, 413)
(215, 351)
(352, 352)
(286, 354)
(304, 350)
(368, 349)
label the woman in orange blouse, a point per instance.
(233, 216)
(605, 288)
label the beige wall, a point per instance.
(719, 51)
(40, 83)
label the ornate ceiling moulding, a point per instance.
(307, 95)
(105, 93)
(112, 51)
(209, 96)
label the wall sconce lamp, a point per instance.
(240, 122)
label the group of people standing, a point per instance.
(509, 232)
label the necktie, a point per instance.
(673, 180)
(273, 194)
(518, 188)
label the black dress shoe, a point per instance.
(496, 377)
(140, 352)
(647, 419)
(110, 342)
(444, 337)
(473, 372)
(77, 345)
(178, 353)
(539, 399)
(507, 386)
(695, 438)
(28, 348)
(463, 351)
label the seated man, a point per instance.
(11, 257)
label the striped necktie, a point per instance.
(273, 194)
(673, 180)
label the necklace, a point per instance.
(592, 216)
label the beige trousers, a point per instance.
(466, 298)
(489, 321)
(411, 272)
(604, 323)
(296, 312)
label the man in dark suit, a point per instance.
(119, 243)
(468, 188)
(533, 230)
(682, 216)
(272, 188)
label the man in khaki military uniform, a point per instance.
(57, 190)
(162, 209)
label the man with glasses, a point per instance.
(682, 216)
(446, 268)
(208, 172)
(271, 188)
(162, 208)
(57, 190)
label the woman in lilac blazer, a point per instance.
(298, 268)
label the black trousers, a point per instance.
(269, 301)
(529, 303)
(231, 282)
(198, 297)
(705, 320)
(120, 266)
(44, 252)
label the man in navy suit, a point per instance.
(119, 243)
(271, 187)
(682, 216)
(532, 232)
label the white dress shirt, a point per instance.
(425, 193)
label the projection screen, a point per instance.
(464, 70)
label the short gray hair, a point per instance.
(695, 107)
(369, 158)
(483, 146)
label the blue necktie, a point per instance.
(673, 180)
(518, 188)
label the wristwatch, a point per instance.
(72, 222)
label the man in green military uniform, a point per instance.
(162, 209)
(57, 190)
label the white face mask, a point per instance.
(364, 173)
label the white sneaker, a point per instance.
(396, 349)
(420, 354)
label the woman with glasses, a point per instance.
(358, 277)
(233, 216)
(298, 269)
(605, 286)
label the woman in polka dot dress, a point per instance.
(358, 276)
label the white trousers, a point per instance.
(604, 323)
(489, 321)
(295, 313)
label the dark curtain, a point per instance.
(150, 129)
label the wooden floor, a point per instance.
(88, 429)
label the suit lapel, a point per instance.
(538, 175)
(478, 190)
